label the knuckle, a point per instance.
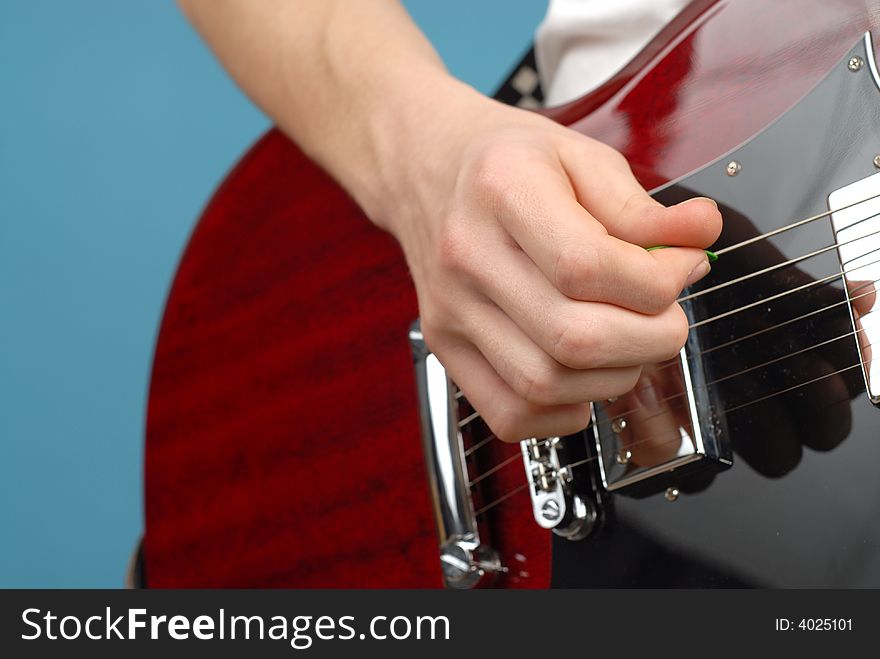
(680, 330)
(609, 156)
(509, 423)
(626, 382)
(676, 333)
(516, 422)
(439, 324)
(576, 346)
(577, 270)
(615, 158)
(598, 149)
(491, 172)
(540, 385)
(643, 206)
(582, 417)
(432, 334)
(662, 290)
(454, 249)
(575, 419)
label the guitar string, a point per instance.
(678, 406)
(623, 415)
(786, 293)
(778, 266)
(626, 413)
(674, 360)
(746, 404)
(752, 240)
(783, 293)
(753, 368)
(478, 445)
(727, 250)
(793, 225)
(746, 277)
(706, 386)
(770, 328)
(500, 499)
(579, 463)
(798, 259)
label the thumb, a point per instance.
(606, 187)
(692, 223)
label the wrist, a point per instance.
(413, 148)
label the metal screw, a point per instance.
(671, 494)
(618, 425)
(550, 510)
(733, 168)
(877, 161)
(565, 475)
(855, 63)
(623, 456)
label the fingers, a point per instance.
(626, 275)
(604, 183)
(577, 255)
(578, 334)
(532, 374)
(539, 295)
(508, 416)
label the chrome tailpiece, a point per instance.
(554, 503)
(465, 559)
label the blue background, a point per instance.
(115, 126)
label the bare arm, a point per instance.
(338, 76)
(525, 239)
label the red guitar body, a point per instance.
(282, 442)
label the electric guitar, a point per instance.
(301, 434)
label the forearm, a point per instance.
(350, 82)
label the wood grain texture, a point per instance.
(282, 441)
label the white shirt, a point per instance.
(582, 43)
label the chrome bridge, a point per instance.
(554, 504)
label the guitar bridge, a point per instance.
(466, 560)
(560, 498)
(554, 503)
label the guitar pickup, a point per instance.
(642, 451)
(855, 219)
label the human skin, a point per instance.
(525, 239)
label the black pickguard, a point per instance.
(801, 505)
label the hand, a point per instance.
(526, 244)
(525, 239)
(778, 373)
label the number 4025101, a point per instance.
(815, 624)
